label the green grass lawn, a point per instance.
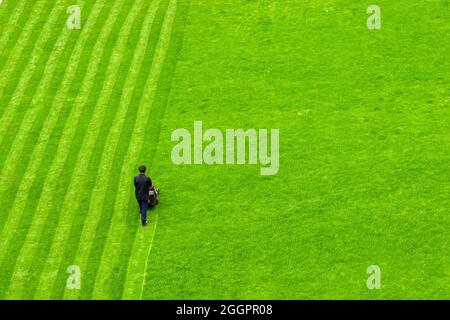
(364, 149)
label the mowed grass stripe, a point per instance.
(77, 184)
(110, 256)
(13, 27)
(24, 22)
(101, 186)
(136, 278)
(14, 64)
(31, 95)
(49, 189)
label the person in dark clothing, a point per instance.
(142, 185)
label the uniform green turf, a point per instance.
(364, 149)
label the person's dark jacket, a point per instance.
(142, 184)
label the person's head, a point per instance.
(142, 169)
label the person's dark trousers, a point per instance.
(143, 205)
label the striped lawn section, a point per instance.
(117, 279)
(132, 218)
(13, 26)
(140, 258)
(24, 76)
(67, 71)
(38, 105)
(25, 20)
(101, 231)
(19, 55)
(35, 81)
(91, 223)
(8, 13)
(50, 190)
(31, 75)
(111, 255)
(42, 101)
(77, 184)
(54, 214)
(7, 8)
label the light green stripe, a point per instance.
(110, 255)
(77, 183)
(100, 189)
